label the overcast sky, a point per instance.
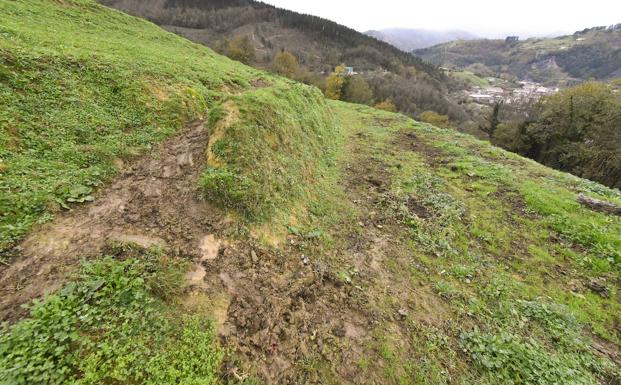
(482, 17)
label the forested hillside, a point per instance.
(591, 53)
(575, 130)
(254, 33)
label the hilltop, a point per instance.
(170, 216)
(593, 53)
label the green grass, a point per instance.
(273, 143)
(486, 247)
(113, 324)
(490, 252)
(509, 359)
(82, 87)
(471, 78)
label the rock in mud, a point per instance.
(599, 288)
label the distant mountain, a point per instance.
(590, 53)
(411, 39)
(318, 44)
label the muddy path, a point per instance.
(296, 317)
(290, 315)
(152, 201)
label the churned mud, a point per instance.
(152, 202)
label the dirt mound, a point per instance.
(153, 201)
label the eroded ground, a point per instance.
(153, 201)
(378, 283)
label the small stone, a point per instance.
(184, 160)
(305, 259)
(360, 224)
(379, 226)
(402, 313)
(254, 257)
(467, 280)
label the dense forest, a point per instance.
(575, 130)
(255, 33)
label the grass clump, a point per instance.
(109, 325)
(435, 234)
(271, 154)
(598, 232)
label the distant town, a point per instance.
(525, 92)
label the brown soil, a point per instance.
(292, 317)
(408, 141)
(153, 201)
(283, 311)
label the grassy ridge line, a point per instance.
(272, 144)
(83, 87)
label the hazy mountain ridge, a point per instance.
(410, 39)
(590, 53)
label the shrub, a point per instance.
(436, 119)
(386, 105)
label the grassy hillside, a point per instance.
(590, 54)
(310, 241)
(77, 104)
(319, 45)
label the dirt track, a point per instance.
(275, 308)
(154, 200)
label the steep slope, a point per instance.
(318, 44)
(305, 34)
(592, 53)
(254, 232)
(408, 39)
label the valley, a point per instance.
(593, 53)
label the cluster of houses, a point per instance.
(526, 92)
